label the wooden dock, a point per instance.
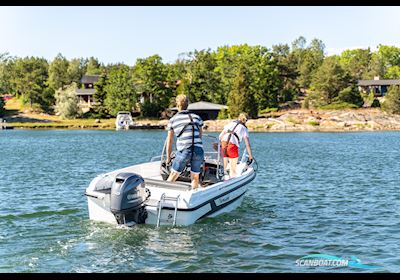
(6, 127)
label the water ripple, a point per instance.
(327, 193)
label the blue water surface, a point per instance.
(315, 193)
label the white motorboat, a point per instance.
(123, 120)
(139, 194)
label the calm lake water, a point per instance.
(326, 193)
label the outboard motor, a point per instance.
(128, 195)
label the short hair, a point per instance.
(243, 117)
(182, 102)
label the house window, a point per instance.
(383, 90)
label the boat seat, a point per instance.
(182, 186)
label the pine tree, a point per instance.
(392, 100)
(100, 96)
(241, 98)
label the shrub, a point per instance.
(375, 103)
(313, 100)
(338, 106)
(313, 123)
(392, 100)
(268, 110)
(293, 121)
(350, 95)
(150, 109)
(67, 102)
(223, 114)
(368, 98)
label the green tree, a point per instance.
(67, 102)
(100, 96)
(120, 95)
(30, 81)
(241, 99)
(223, 114)
(177, 78)
(262, 72)
(204, 82)
(376, 67)
(93, 66)
(350, 95)
(384, 58)
(393, 72)
(356, 62)
(330, 79)
(265, 81)
(308, 59)
(227, 66)
(150, 78)
(178, 69)
(6, 73)
(390, 55)
(392, 100)
(58, 72)
(76, 69)
(288, 73)
(183, 87)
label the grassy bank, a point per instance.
(362, 119)
(67, 124)
(19, 116)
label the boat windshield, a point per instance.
(211, 149)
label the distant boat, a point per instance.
(124, 120)
(2, 126)
(6, 127)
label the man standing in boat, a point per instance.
(189, 147)
(231, 137)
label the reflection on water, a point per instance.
(315, 193)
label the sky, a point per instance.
(116, 34)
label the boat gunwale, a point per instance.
(250, 177)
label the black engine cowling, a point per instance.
(128, 194)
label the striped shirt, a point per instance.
(178, 122)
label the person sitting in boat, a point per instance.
(231, 137)
(187, 127)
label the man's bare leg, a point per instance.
(233, 164)
(173, 176)
(225, 163)
(195, 180)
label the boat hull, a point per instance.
(226, 201)
(191, 205)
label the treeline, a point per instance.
(247, 78)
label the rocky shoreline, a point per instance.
(316, 120)
(298, 120)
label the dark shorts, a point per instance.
(182, 158)
(232, 150)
